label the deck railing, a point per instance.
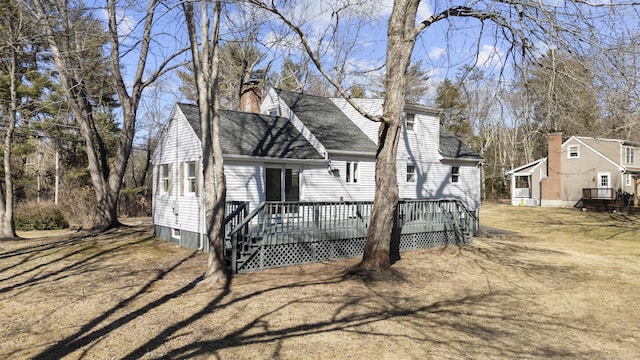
(598, 193)
(286, 233)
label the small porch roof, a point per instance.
(526, 169)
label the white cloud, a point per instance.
(490, 56)
(424, 11)
(437, 53)
(541, 48)
(126, 24)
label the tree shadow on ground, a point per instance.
(451, 315)
(476, 318)
(354, 314)
(37, 271)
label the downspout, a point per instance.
(540, 174)
(201, 224)
(176, 167)
(200, 227)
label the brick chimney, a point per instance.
(552, 185)
(250, 97)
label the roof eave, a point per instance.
(268, 159)
(351, 153)
(462, 159)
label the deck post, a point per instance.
(636, 182)
(234, 254)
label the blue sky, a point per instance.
(444, 47)
(434, 47)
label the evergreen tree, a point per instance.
(454, 116)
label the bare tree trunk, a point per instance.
(7, 228)
(401, 40)
(377, 247)
(205, 70)
(82, 110)
(106, 173)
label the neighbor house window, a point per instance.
(630, 155)
(190, 172)
(574, 152)
(455, 174)
(274, 112)
(411, 173)
(353, 172)
(411, 121)
(164, 180)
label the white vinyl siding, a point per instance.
(420, 148)
(318, 185)
(372, 106)
(179, 146)
(245, 181)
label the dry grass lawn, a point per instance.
(558, 283)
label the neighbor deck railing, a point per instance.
(598, 193)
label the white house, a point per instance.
(298, 147)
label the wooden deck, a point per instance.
(609, 205)
(281, 234)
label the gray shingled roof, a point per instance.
(452, 147)
(250, 134)
(327, 122)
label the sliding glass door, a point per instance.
(282, 184)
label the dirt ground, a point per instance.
(537, 283)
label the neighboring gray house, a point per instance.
(298, 147)
(577, 168)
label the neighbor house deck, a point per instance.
(608, 200)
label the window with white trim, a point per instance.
(164, 179)
(411, 173)
(455, 174)
(190, 182)
(176, 233)
(630, 155)
(628, 179)
(411, 121)
(573, 152)
(353, 172)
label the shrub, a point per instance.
(78, 204)
(44, 216)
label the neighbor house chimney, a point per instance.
(552, 185)
(250, 97)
